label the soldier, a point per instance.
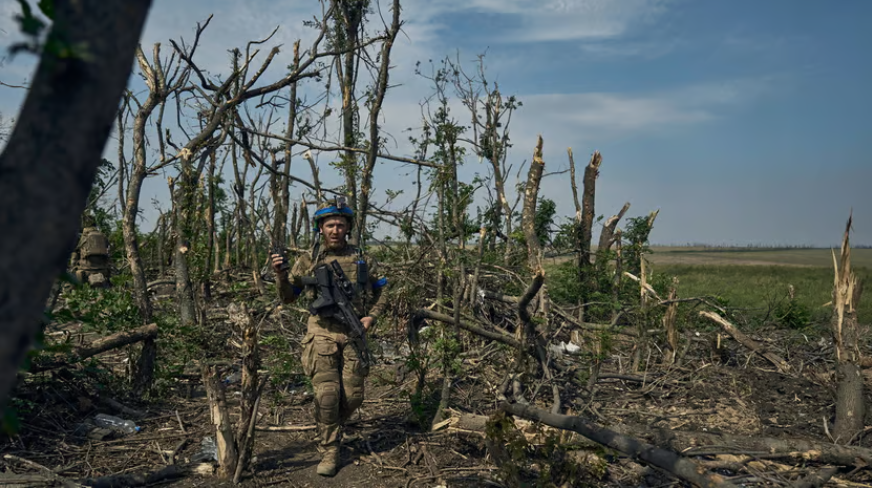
(91, 257)
(330, 357)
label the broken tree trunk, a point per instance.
(850, 409)
(669, 461)
(475, 329)
(669, 324)
(242, 320)
(528, 214)
(746, 341)
(608, 236)
(692, 444)
(114, 341)
(588, 196)
(224, 439)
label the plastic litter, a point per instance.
(208, 451)
(115, 423)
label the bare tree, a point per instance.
(160, 87)
(375, 104)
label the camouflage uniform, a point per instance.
(329, 355)
(91, 257)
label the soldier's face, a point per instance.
(334, 230)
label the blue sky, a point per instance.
(744, 122)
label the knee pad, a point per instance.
(327, 402)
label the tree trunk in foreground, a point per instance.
(49, 164)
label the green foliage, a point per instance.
(33, 28)
(101, 310)
(554, 465)
(636, 234)
(282, 363)
(544, 219)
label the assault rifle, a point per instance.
(335, 293)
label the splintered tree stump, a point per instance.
(669, 324)
(228, 455)
(247, 328)
(850, 407)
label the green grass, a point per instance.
(757, 287)
(860, 258)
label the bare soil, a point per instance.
(713, 390)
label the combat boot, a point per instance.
(329, 464)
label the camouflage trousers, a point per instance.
(337, 376)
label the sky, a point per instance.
(744, 122)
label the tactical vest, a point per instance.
(348, 260)
(94, 243)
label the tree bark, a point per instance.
(850, 406)
(224, 439)
(51, 158)
(349, 22)
(607, 238)
(588, 198)
(528, 215)
(241, 319)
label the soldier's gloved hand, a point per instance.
(277, 261)
(367, 322)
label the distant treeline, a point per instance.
(773, 247)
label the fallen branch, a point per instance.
(747, 341)
(285, 428)
(816, 480)
(693, 443)
(113, 341)
(669, 461)
(497, 336)
(130, 480)
(47, 473)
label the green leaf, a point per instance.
(30, 25)
(47, 8)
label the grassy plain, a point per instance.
(756, 279)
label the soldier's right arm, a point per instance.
(291, 285)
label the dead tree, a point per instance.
(491, 116)
(669, 324)
(51, 158)
(591, 172)
(349, 21)
(235, 449)
(608, 237)
(163, 79)
(850, 406)
(375, 104)
(528, 215)
(161, 86)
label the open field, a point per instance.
(757, 279)
(860, 258)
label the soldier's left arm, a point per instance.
(378, 283)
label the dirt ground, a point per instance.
(712, 390)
